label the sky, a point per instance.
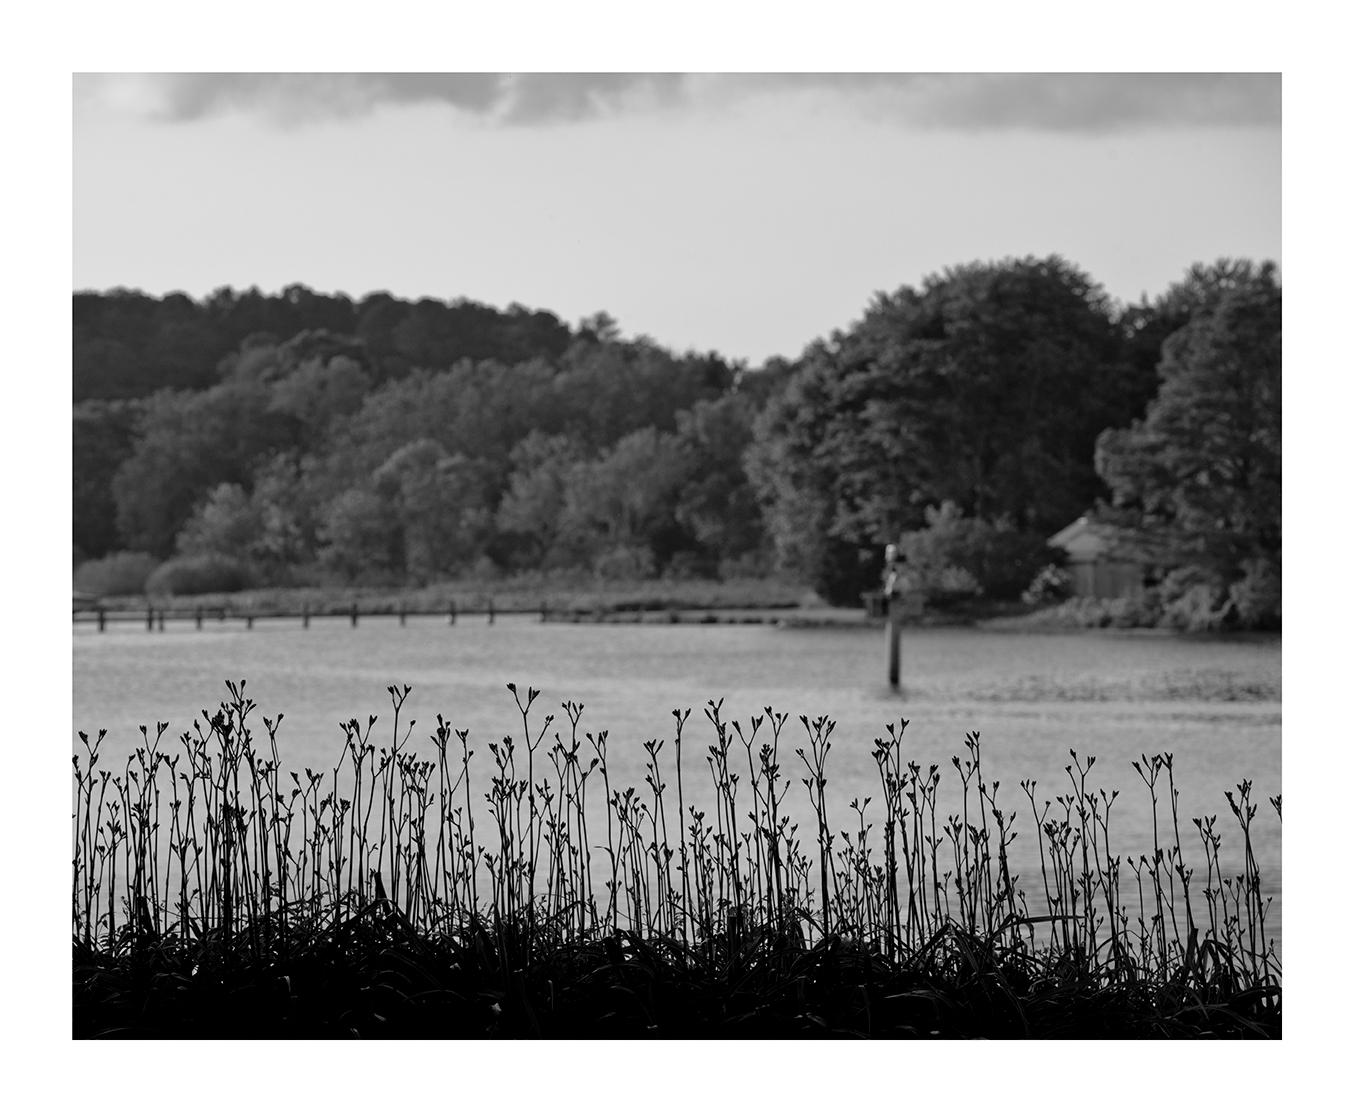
(747, 214)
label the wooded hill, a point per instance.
(303, 437)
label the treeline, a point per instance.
(129, 345)
(328, 454)
(306, 438)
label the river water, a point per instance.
(1214, 703)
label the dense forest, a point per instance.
(305, 438)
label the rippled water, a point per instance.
(1214, 703)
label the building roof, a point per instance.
(1087, 539)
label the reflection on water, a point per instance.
(1214, 703)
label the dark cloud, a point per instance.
(973, 102)
(298, 97)
(533, 97)
(1044, 102)
(1089, 102)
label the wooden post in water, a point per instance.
(451, 612)
(249, 621)
(160, 623)
(893, 608)
(401, 611)
(103, 617)
(543, 609)
(197, 617)
(895, 583)
(491, 609)
(150, 619)
(352, 615)
(305, 615)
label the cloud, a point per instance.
(285, 98)
(535, 97)
(965, 102)
(1087, 102)
(293, 99)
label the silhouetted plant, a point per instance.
(217, 859)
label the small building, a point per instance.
(1097, 561)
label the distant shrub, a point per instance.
(1140, 611)
(118, 573)
(998, 557)
(1126, 613)
(1191, 599)
(200, 575)
(1200, 600)
(1195, 600)
(1258, 596)
(1050, 584)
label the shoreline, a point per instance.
(580, 599)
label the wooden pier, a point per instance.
(154, 616)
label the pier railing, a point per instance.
(154, 616)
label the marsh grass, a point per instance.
(413, 893)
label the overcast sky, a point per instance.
(748, 214)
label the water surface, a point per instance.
(1213, 703)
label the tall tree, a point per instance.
(189, 444)
(439, 504)
(717, 504)
(620, 509)
(985, 388)
(103, 439)
(318, 393)
(1148, 324)
(1199, 478)
(271, 526)
(529, 513)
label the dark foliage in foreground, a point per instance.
(380, 979)
(252, 906)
